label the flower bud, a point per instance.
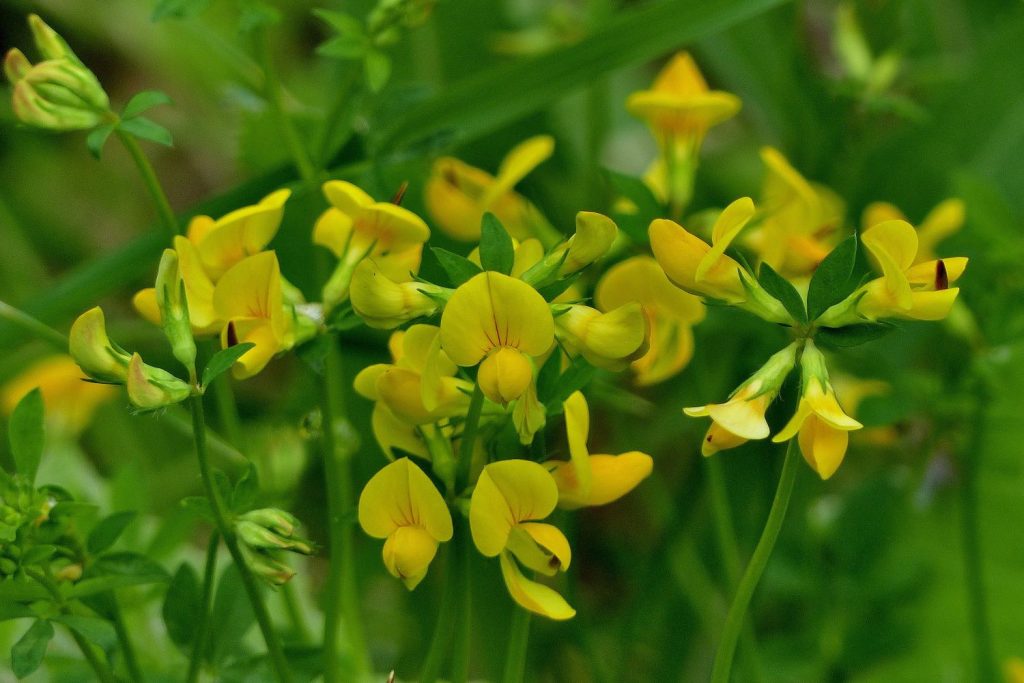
(271, 529)
(267, 567)
(94, 352)
(150, 388)
(170, 297)
(608, 340)
(48, 42)
(16, 65)
(385, 304)
(595, 234)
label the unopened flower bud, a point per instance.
(93, 350)
(609, 340)
(271, 529)
(268, 568)
(48, 42)
(385, 304)
(595, 234)
(170, 297)
(150, 388)
(16, 65)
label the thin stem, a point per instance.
(33, 326)
(342, 602)
(131, 660)
(274, 651)
(275, 96)
(464, 627)
(291, 605)
(156, 190)
(469, 431)
(975, 581)
(738, 610)
(518, 640)
(445, 618)
(202, 629)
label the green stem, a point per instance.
(156, 191)
(33, 326)
(102, 671)
(274, 652)
(227, 410)
(291, 605)
(202, 629)
(518, 640)
(725, 534)
(131, 660)
(342, 586)
(275, 96)
(738, 610)
(469, 431)
(464, 627)
(445, 618)
(975, 582)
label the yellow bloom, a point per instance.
(356, 227)
(595, 234)
(70, 402)
(800, 222)
(248, 299)
(741, 418)
(822, 424)
(587, 480)
(609, 340)
(944, 220)
(92, 349)
(458, 195)
(508, 496)
(503, 322)
(385, 304)
(401, 504)
(670, 312)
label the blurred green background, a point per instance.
(868, 581)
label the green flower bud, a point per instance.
(93, 350)
(151, 388)
(49, 42)
(170, 297)
(268, 568)
(271, 529)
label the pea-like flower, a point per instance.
(502, 322)
(742, 417)
(820, 421)
(385, 304)
(610, 340)
(509, 496)
(670, 312)
(92, 349)
(401, 504)
(946, 219)
(458, 195)
(587, 480)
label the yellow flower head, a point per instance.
(609, 340)
(503, 322)
(822, 424)
(680, 103)
(587, 480)
(70, 402)
(385, 304)
(508, 496)
(906, 290)
(92, 349)
(356, 226)
(248, 299)
(800, 222)
(458, 194)
(944, 220)
(670, 314)
(741, 418)
(401, 504)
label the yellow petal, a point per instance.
(680, 76)
(504, 375)
(553, 543)
(508, 492)
(70, 402)
(517, 164)
(744, 418)
(531, 595)
(365, 382)
(926, 275)
(728, 225)
(383, 303)
(453, 193)
(256, 331)
(198, 228)
(892, 243)
(198, 289)
(616, 475)
(595, 234)
(346, 197)
(251, 289)
(492, 310)
(679, 253)
(574, 477)
(145, 303)
(241, 233)
(803, 411)
(822, 446)
(932, 305)
(390, 227)
(827, 407)
(641, 279)
(401, 495)
(333, 230)
(392, 433)
(879, 212)
(528, 253)
(719, 439)
(944, 220)
(408, 553)
(400, 389)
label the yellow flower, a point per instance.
(509, 495)
(741, 418)
(92, 349)
(503, 322)
(385, 304)
(401, 504)
(356, 227)
(70, 402)
(595, 234)
(609, 340)
(458, 195)
(800, 222)
(670, 312)
(905, 290)
(822, 424)
(587, 480)
(248, 299)
(944, 220)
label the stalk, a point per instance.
(131, 660)
(33, 326)
(519, 637)
(156, 191)
(202, 629)
(464, 627)
(445, 619)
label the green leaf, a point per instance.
(183, 605)
(199, 506)
(147, 99)
(26, 434)
(459, 268)
(97, 138)
(647, 205)
(852, 335)
(783, 290)
(109, 529)
(223, 360)
(231, 616)
(93, 629)
(127, 564)
(577, 376)
(222, 483)
(38, 554)
(144, 129)
(377, 67)
(343, 23)
(19, 590)
(13, 610)
(547, 377)
(831, 281)
(178, 9)
(27, 654)
(246, 489)
(496, 250)
(345, 47)
(100, 584)
(557, 288)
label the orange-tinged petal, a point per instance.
(241, 233)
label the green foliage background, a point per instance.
(867, 583)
